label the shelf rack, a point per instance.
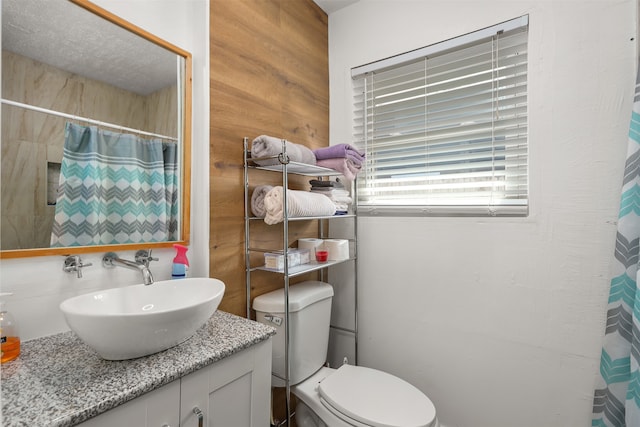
(285, 167)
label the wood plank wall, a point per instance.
(269, 75)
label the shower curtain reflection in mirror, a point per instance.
(115, 188)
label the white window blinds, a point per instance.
(444, 127)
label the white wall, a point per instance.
(39, 284)
(500, 320)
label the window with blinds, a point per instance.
(444, 127)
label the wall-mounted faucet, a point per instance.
(73, 263)
(111, 259)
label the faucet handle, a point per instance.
(74, 263)
(152, 258)
(143, 256)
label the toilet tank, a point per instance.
(309, 317)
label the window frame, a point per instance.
(516, 206)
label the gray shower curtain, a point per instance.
(114, 189)
(616, 401)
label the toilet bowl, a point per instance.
(362, 397)
(349, 396)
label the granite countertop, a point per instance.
(59, 381)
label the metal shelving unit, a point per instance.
(286, 167)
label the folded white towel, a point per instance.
(337, 196)
(265, 146)
(300, 204)
(257, 200)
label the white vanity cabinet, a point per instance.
(232, 392)
(158, 408)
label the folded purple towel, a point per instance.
(348, 168)
(340, 151)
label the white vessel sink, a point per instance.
(134, 321)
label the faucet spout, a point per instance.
(147, 277)
(110, 259)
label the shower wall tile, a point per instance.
(161, 111)
(16, 231)
(15, 124)
(22, 175)
(109, 104)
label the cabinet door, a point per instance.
(234, 392)
(155, 409)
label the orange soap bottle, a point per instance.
(9, 338)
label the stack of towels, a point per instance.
(335, 191)
(325, 198)
(268, 202)
(343, 158)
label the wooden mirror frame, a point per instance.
(185, 176)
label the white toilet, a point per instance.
(344, 397)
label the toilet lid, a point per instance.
(376, 398)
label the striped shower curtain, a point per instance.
(115, 189)
(616, 400)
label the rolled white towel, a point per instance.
(300, 204)
(265, 146)
(257, 200)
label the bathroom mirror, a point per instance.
(69, 64)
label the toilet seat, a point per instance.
(368, 397)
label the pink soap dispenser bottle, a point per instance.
(180, 262)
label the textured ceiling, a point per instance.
(66, 36)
